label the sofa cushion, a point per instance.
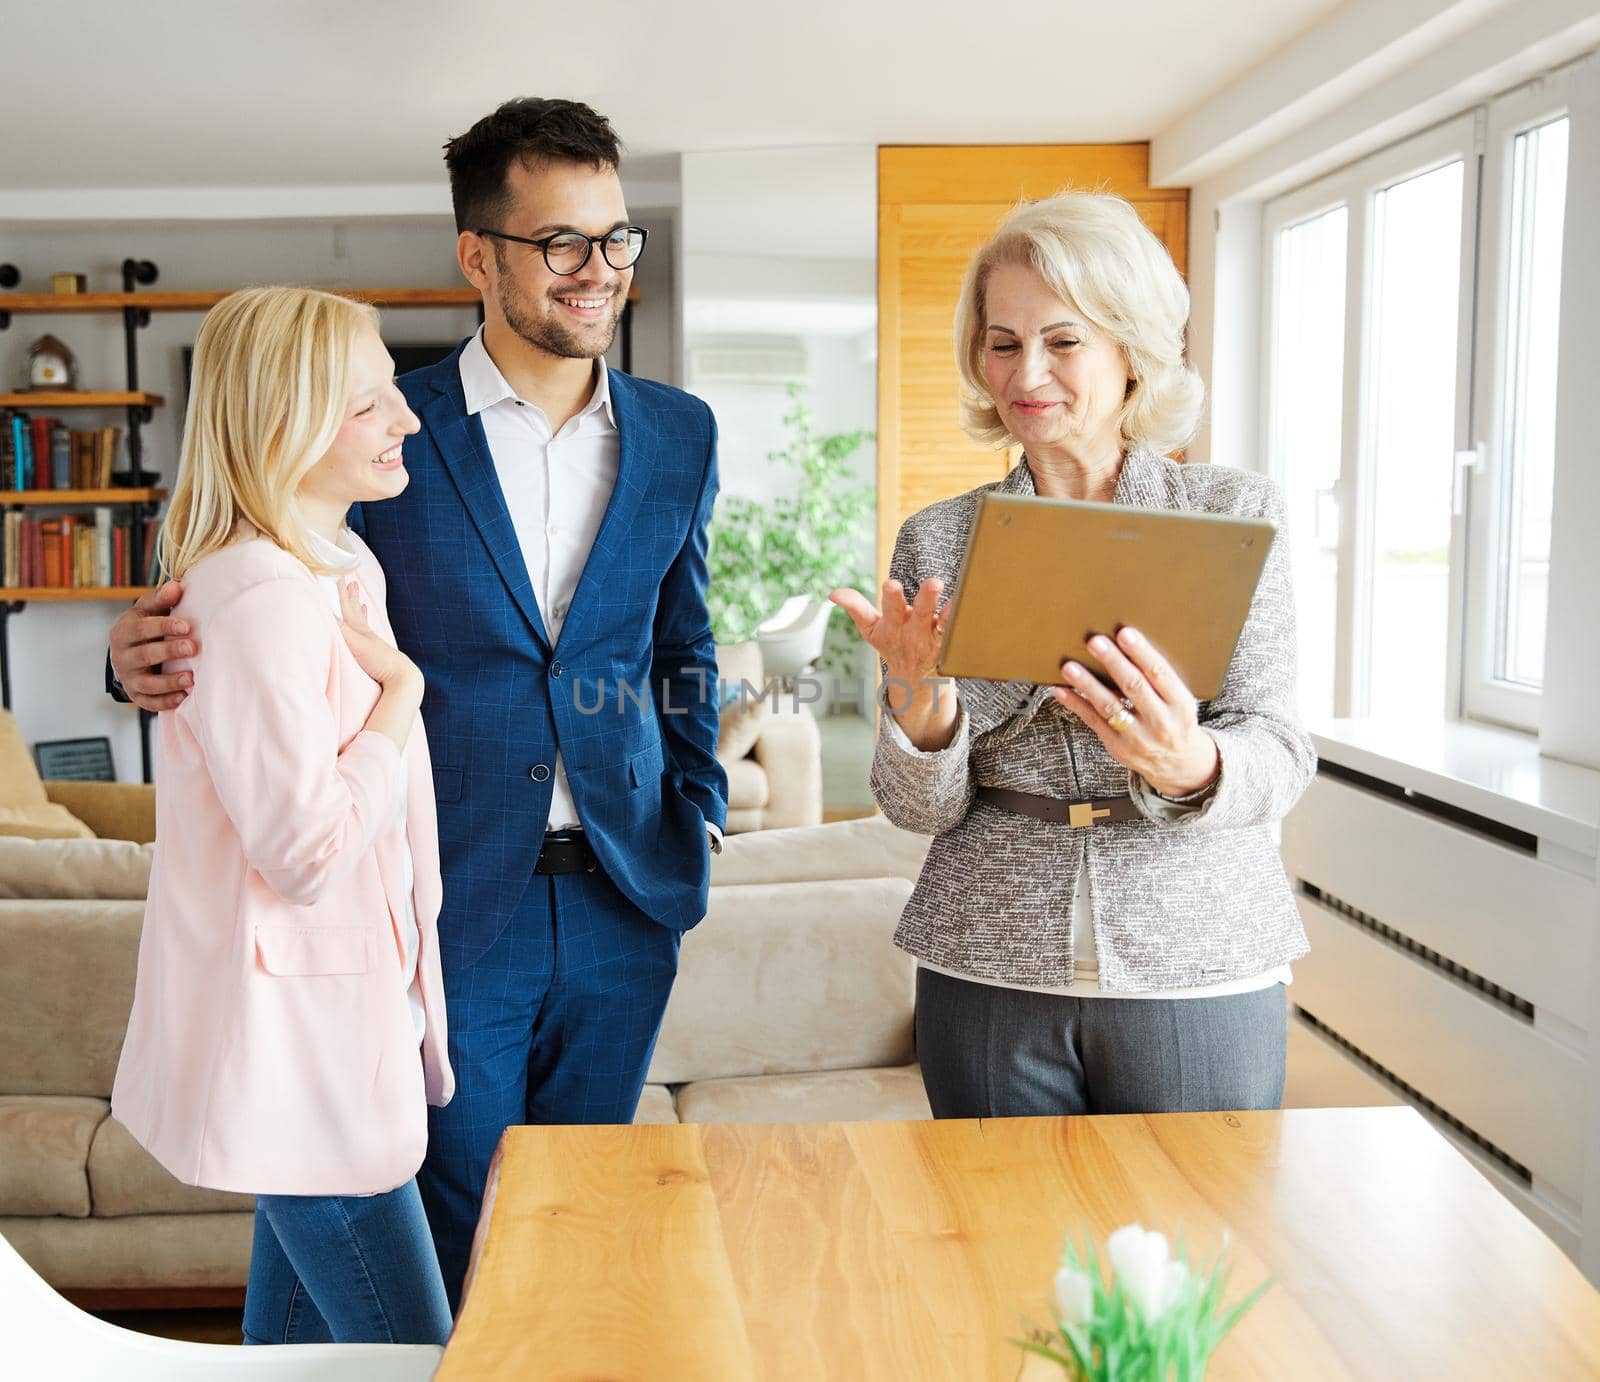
(66, 986)
(867, 848)
(833, 1096)
(112, 810)
(126, 1179)
(74, 868)
(44, 1153)
(25, 808)
(790, 977)
(140, 1250)
(748, 788)
(742, 706)
(655, 1105)
(738, 727)
(47, 822)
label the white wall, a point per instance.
(1569, 727)
(57, 649)
(840, 391)
(779, 248)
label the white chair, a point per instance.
(44, 1338)
(791, 640)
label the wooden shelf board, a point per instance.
(82, 496)
(33, 594)
(464, 296)
(35, 399)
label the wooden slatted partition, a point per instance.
(936, 205)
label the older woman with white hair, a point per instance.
(1136, 965)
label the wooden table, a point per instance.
(857, 1251)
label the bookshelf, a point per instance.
(134, 305)
(119, 494)
(78, 398)
(45, 594)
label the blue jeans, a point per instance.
(344, 1269)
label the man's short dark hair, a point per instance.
(531, 129)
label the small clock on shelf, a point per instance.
(50, 366)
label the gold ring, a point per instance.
(1121, 720)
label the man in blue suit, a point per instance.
(546, 569)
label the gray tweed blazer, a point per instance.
(1180, 898)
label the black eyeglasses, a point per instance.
(567, 251)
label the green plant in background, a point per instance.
(1156, 1320)
(805, 544)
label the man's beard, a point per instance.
(551, 336)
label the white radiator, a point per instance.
(1455, 963)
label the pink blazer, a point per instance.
(271, 1048)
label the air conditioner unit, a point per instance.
(764, 362)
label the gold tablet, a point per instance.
(1041, 575)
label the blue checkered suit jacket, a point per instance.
(628, 692)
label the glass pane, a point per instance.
(1307, 412)
(1416, 283)
(1538, 198)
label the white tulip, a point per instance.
(1151, 1278)
(1074, 1295)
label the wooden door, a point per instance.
(936, 205)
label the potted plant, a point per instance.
(807, 543)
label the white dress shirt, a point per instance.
(409, 937)
(556, 488)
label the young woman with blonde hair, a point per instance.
(288, 1024)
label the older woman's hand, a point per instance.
(908, 636)
(1153, 729)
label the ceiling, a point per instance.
(221, 93)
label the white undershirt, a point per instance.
(556, 490)
(410, 937)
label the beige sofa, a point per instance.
(79, 1199)
(769, 746)
(790, 1004)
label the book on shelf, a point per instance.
(10, 549)
(40, 453)
(74, 550)
(22, 449)
(60, 455)
(39, 447)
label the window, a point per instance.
(1307, 363)
(1410, 400)
(1410, 441)
(1524, 200)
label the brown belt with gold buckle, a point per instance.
(1098, 811)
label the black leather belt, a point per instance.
(1098, 811)
(566, 851)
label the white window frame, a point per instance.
(1356, 186)
(1483, 696)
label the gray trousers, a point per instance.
(992, 1052)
